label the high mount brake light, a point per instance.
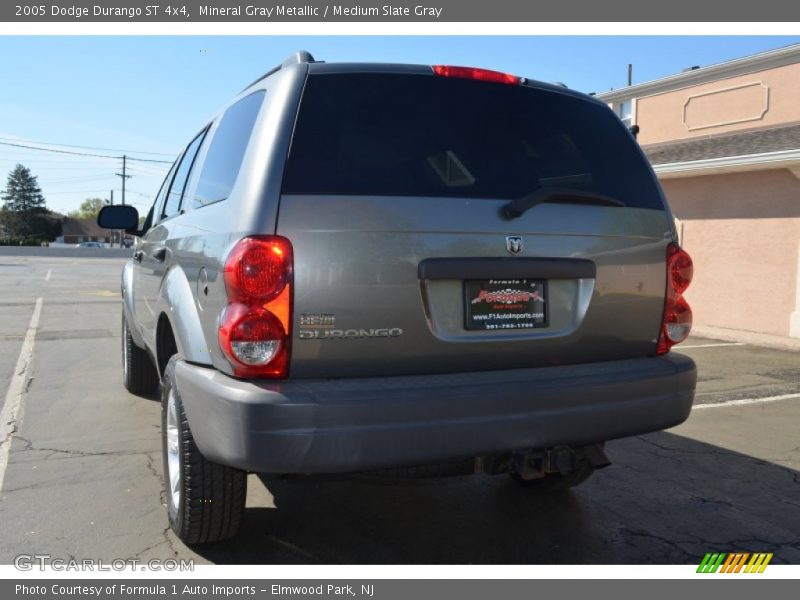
(473, 73)
(676, 322)
(255, 327)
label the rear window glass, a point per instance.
(418, 135)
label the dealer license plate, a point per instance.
(493, 304)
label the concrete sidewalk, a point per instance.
(748, 337)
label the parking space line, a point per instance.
(16, 390)
(746, 401)
(721, 344)
(49, 272)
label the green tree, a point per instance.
(24, 213)
(89, 209)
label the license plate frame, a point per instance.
(505, 304)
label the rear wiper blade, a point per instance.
(516, 208)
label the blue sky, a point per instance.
(151, 94)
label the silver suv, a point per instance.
(401, 268)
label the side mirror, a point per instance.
(120, 216)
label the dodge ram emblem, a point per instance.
(514, 244)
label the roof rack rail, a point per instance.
(298, 57)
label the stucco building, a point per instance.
(724, 141)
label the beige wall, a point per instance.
(761, 99)
(742, 231)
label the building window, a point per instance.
(624, 111)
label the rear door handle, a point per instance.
(138, 255)
(160, 253)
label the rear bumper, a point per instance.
(316, 426)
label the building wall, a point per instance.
(743, 233)
(761, 99)
(77, 239)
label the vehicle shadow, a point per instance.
(154, 396)
(666, 499)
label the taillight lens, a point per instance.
(255, 327)
(473, 73)
(676, 322)
(257, 268)
(680, 268)
(253, 338)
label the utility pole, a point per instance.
(111, 203)
(124, 175)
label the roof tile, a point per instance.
(736, 144)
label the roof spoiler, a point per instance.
(301, 56)
(298, 57)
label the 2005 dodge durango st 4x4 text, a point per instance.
(407, 269)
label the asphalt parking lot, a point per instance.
(83, 472)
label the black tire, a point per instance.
(211, 498)
(557, 482)
(139, 374)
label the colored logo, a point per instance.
(736, 562)
(507, 296)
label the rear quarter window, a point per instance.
(178, 186)
(224, 158)
(419, 135)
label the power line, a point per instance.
(78, 179)
(68, 162)
(45, 159)
(77, 192)
(59, 177)
(150, 160)
(31, 154)
(138, 193)
(73, 153)
(13, 151)
(151, 167)
(21, 140)
(59, 151)
(35, 165)
(49, 168)
(158, 171)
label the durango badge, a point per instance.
(514, 244)
(341, 334)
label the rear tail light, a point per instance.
(255, 327)
(473, 73)
(676, 322)
(253, 339)
(256, 268)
